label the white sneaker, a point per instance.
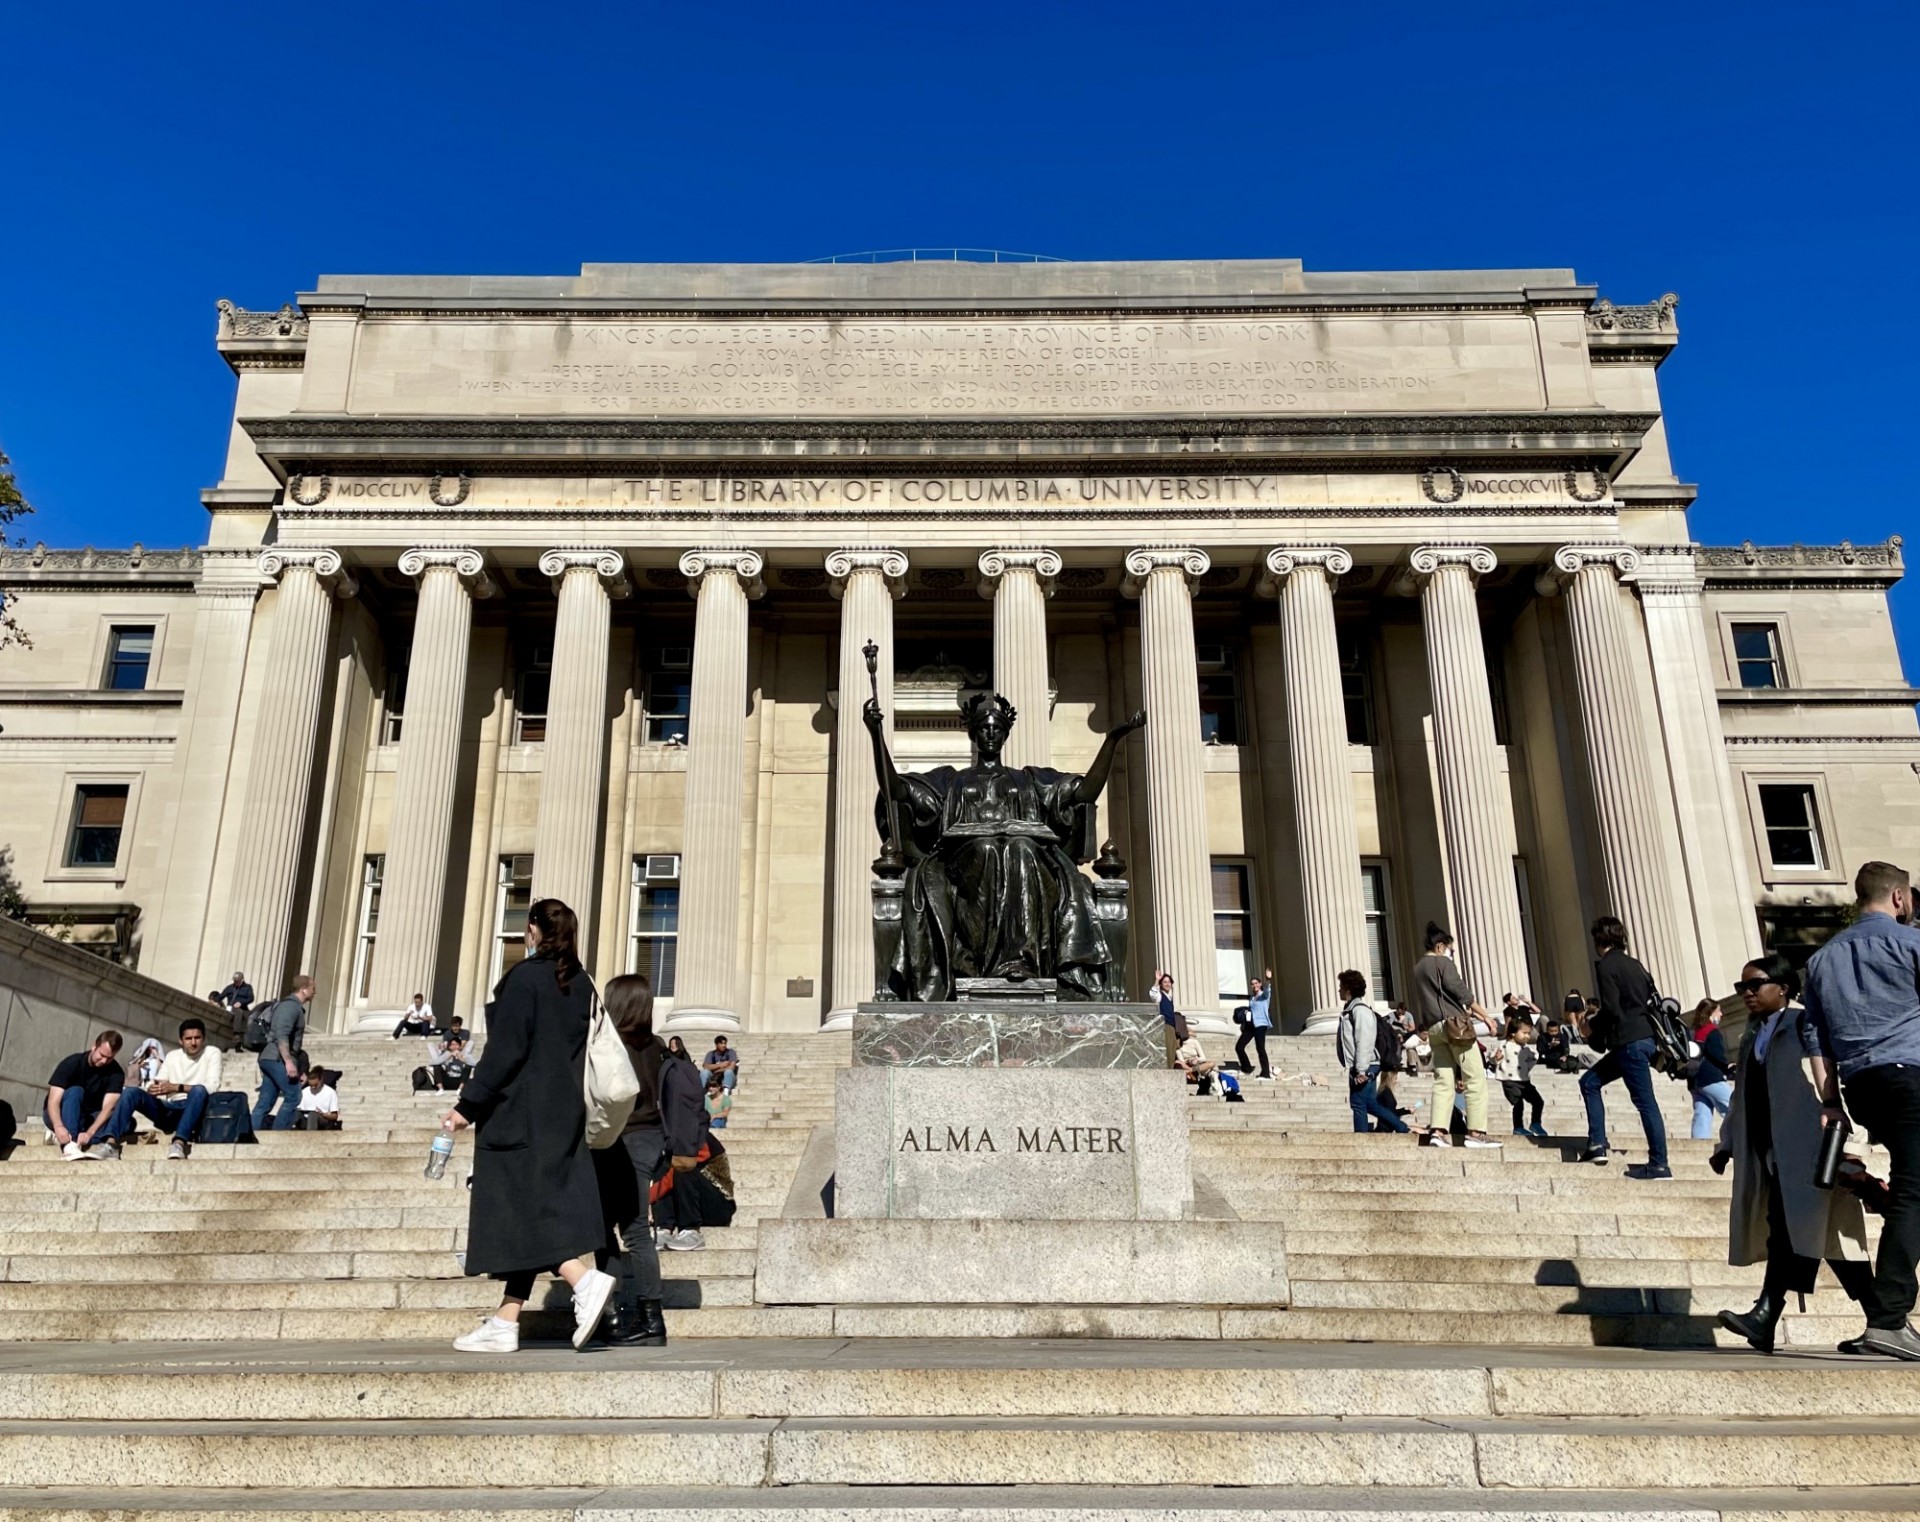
(1479, 1141)
(590, 1297)
(73, 1152)
(686, 1241)
(1439, 1139)
(106, 1152)
(177, 1153)
(491, 1336)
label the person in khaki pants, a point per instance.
(1444, 1008)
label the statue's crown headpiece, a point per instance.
(977, 704)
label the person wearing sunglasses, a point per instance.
(1777, 1215)
(1863, 1012)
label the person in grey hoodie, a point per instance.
(1357, 1042)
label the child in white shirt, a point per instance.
(1512, 1064)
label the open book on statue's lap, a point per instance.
(987, 831)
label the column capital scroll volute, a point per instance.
(1427, 560)
(327, 566)
(889, 563)
(608, 565)
(465, 562)
(746, 565)
(1288, 558)
(1571, 559)
(1191, 563)
(1045, 564)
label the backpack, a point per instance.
(259, 1027)
(609, 1082)
(1674, 1050)
(228, 1119)
(1389, 1046)
(1230, 1088)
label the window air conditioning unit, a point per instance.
(662, 869)
(1211, 657)
(521, 868)
(676, 658)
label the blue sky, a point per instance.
(1758, 159)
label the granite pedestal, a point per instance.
(997, 1154)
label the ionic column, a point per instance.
(867, 582)
(1475, 809)
(573, 771)
(706, 995)
(260, 913)
(1020, 582)
(1632, 848)
(1176, 775)
(1707, 810)
(1326, 835)
(414, 892)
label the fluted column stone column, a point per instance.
(1326, 834)
(867, 582)
(260, 911)
(573, 775)
(707, 994)
(413, 893)
(1020, 581)
(1476, 820)
(1176, 777)
(1619, 760)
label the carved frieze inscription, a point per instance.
(981, 367)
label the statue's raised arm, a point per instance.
(1094, 783)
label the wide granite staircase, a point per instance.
(264, 1329)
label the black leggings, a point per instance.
(1257, 1034)
(1520, 1096)
(519, 1284)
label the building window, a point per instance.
(1356, 687)
(1373, 895)
(669, 694)
(653, 935)
(99, 814)
(1756, 652)
(129, 655)
(1219, 697)
(1793, 826)
(1232, 930)
(372, 870)
(395, 705)
(512, 898)
(530, 697)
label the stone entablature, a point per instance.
(49, 569)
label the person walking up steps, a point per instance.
(627, 1173)
(1863, 1010)
(1623, 1028)
(534, 1206)
(1357, 1041)
(1444, 1008)
(1513, 1065)
(1777, 1214)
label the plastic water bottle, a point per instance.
(441, 1155)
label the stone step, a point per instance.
(1399, 1262)
(1040, 1503)
(1568, 1456)
(684, 1290)
(279, 1262)
(1467, 1242)
(1585, 1299)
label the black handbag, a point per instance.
(229, 1118)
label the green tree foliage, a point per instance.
(12, 506)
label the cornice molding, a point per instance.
(889, 564)
(609, 565)
(1045, 564)
(746, 565)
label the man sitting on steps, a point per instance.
(175, 1100)
(85, 1084)
(723, 1061)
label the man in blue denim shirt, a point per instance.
(1863, 1023)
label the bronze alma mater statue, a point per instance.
(992, 886)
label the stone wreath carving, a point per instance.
(1430, 484)
(298, 490)
(435, 486)
(1600, 485)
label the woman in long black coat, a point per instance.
(535, 1206)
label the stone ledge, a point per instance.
(1072, 1263)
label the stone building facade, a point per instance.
(517, 587)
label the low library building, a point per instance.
(518, 587)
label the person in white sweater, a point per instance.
(176, 1100)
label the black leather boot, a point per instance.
(644, 1328)
(1757, 1324)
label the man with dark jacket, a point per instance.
(1625, 993)
(683, 1118)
